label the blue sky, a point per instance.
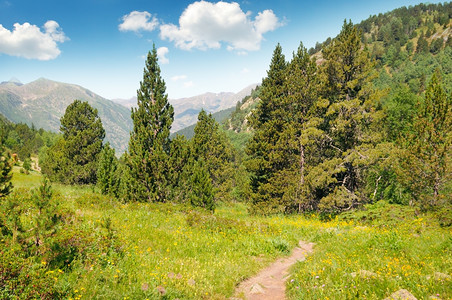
(204, 45)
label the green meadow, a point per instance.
(104, 249)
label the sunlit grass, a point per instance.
(175, 251)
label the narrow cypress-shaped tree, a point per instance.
(267, 121)
(201, 192)
(295, 142)
(180, 168)
(5, 172)
(149, 143)
(106, 171)
(212, 146)
(427, 163)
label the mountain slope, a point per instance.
(219, 116)
(43, 102)
(186, 110)
(400, 60)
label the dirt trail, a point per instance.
(270, 283)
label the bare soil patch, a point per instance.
(270, 283)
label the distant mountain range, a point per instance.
(43, 102)
(186, 110)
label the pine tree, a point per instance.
(272, 89)
(351, 126)
(73, 159)
(47, 217)
(267, 121)
(5, 172)
(106, 171)
(296, 141)
(427, 163)
(202, 193)
(149, 143)
(422, 44)
(180, 165)
(212, 146)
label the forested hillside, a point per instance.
(43, 102)
(392, 41)
(25, 141)
(348, 145)
(387, 59)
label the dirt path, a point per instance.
(270, 283)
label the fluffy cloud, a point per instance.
(188, 84)
(161, 54)
(178, 77)
(205, 25)
(29, 41)
(137, 21)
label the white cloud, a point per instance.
(178, 77)
(245, 70)
(137, 21)
(188, 84)
(29, 41)
(161, 54)
(205, 25)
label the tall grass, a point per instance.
(166, 251)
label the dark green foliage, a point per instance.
(211, 145)
(23, 140)
(122, 181)
(409, 47)
(5, 172)
(266, 120)
(422, 45)
(27, 165)
(341, 152)
(106, 171)
(272, 89)
(436, 45)
(149, 143)
(53, 162)
(400, 110)
(83, 134)
(277, 150)
(201, 189)
(428, 148)
(41, 241)
(350, 127)
(180, 164)
(73, 158)
(46, 218)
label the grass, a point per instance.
(166, 251)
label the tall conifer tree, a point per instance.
(267, 122)
(106, 170)
(427, 162)
(75, 155)
(351, 126)
(149, 143)
(5, 172)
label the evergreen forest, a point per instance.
(347, 144)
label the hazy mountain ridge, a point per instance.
(43, 102)
(186, 109)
